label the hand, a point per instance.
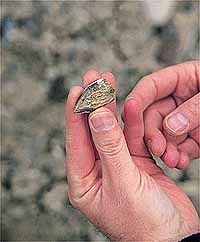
(165, 95)
(124, 194)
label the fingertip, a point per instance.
(73, 96)
(75, 89)
(109, 77)
(157, 144)
(171, 156)
(183, 161)
(74, 93)
(131, 110)
(89, 77)
(134, 127)
(130, 103)
(169, 160)
(176, 124)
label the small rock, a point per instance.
(55, 199)
(169, 44)
(26, 183)
(24, 94)
(57, 91)
(159, 11)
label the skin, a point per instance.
(166, 92)
(117, 187)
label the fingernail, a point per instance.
(102, 122)
(129, 98)
(177, 122)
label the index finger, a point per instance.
(167, 81)
(78, 143)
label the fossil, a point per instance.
(95, 95)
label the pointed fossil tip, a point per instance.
(78, 110)
(75, 110)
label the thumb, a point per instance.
(111, 146)
(185, 118)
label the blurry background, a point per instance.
(46, 46)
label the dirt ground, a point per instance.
(46, 48)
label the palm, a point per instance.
(175, 194)
(161, 202)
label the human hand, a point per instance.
(174, 90)
(124, 194)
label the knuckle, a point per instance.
(70, 198)
(111, 146)
(194, 106)
(76, 120)
(73, 201)
(150, 111)
(71, 147)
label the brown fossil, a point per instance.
(95, 95)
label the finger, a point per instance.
(110, 143)
(174, 139)
(80, 155)
(109, 77)
(183, 161)
(171, 155)
(154, 138)
(134, 128)
(166, 81)
(195, 135)
(190, 147)
(89, 77)
(153, 119)
(185, 118)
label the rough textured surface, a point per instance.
(46, 47)
(95, 95)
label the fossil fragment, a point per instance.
(95, 95)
